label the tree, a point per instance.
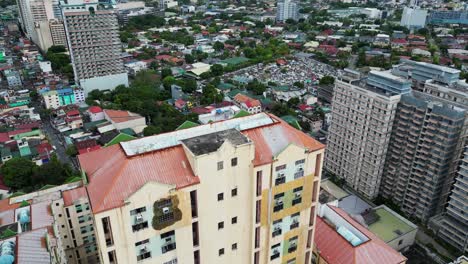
(327, 80)
(218, 46)
(257, 87)
(280, 109)
(217, 70)
(249, 53)
(189, 86)
(299, 84)
(293, 102)
(53, 172)
(189, 58)
(210, 95)
(165, 72)
(17, 173)
(71, 151)
(151, 130)
(154, 65)
(168, 81)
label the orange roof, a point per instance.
(113, 176)
(242, 98)
(5, 205)
(72, 195)
(336, 249)
(119, 116)
(271, 140)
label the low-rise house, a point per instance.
(119, 119)
(252, 106)
(341, 239)
(95, 113)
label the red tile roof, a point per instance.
(249, 102)
(5, 205)
(73, 113)
(72, 195)
(95, 109)
(5, 136)
(113, 176)
(336, 249)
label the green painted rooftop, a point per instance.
(122, 137)
(187, 124)
(388, 224)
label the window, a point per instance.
(234, 246)
(220, 225)
(168, 240)
(138, 211)
(299, 162)
(195, 238)
(259, 183)
(139, 243)
(220, 165)
(275, 252)
(220, 196)
(234, 162)
(234, 220)
(257, 237)
(282, 167)
(193, 203)
(221, 252)
(139, 226)
(258, 208)
(196, 257)
(234, 192)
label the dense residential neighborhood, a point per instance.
(277, 132)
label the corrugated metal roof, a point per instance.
(113, 177)
(116, 172)
(72, 195)
(335, 249)
(41, 216)
(31, 247)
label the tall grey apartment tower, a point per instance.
(95, 48)
(423, 154)
(362, 118)
(453, 224)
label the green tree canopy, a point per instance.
(17, 173)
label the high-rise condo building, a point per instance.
(453, 225)
(287, 9)
(362, 117)
(42, 22)
(243, 190)
(95, 48)
(423, 154)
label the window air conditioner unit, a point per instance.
(168, 239)
(144, 249)
(297, 195)
(139, 218)
(301, 169)
(279, 202)
(275, 251)
(165, 210)
(295, 221)
(280, 175)
(276, 228)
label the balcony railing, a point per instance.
(280, 180)
(278, 207)
(298, 174)
(297, 200)
(276, 232)
(168, 247)
(294, 225)
(292, 248)
(275, 255)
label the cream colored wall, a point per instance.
(288, 156)
(125, 239)
(211, 211)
